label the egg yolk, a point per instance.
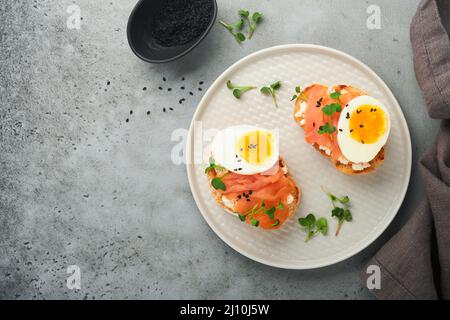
(368, 124)
(255, 147)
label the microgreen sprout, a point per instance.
(299, 94)
(343, 213)
(239, 36)
(215, 167)
(329, 110)
(270, 90)
(238, 90)
(313, 226)
(256, 19)
(217, 182)
(260, 209)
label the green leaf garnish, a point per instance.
(276, 224)
(254, 222)
(335, 95)
(327, 128)
(271, 212)
(329, 110)
(342, 214)
(259, 209)
(239, 37)
(213, 166)
(280, 206)
(218, 184)
(276, 85)
(271, 90)
(257, 17)
(299, 94)
(232, 27)
(244, 13)
(238, 91)
(313, 226)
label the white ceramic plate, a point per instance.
(375, 198)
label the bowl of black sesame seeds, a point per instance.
(164, 30)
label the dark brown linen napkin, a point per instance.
(415, 263)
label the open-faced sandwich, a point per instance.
(344, 124)
(248, 177)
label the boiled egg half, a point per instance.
(245, 150)
(363, 129)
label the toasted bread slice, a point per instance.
(345, 168)
(292, 207)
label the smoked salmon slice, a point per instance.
(317, 97)
(262, 200)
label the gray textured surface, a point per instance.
(79, 185)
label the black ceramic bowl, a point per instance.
(144, 31)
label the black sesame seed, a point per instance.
(240, 169)
(127, 120)
(144, 88)
(348, 115)
(248, 200)
(340, 130)
(201, 82)
(362, 141)
(361, 126)
(169, 89)
(164, 79)
(358, 111)
(171, 109)
(239, 197)
(164, 109)
(108, 83)
(346, 105)
(200, 89)
(131, 111)
(160, 88)
(191, 93)
(314, 124)
(148, 112)
(250, 192)
(182, 88)
(182, 79)
(351, 130)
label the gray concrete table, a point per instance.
(85, 182)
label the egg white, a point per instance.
(353, 150)
(223, 151)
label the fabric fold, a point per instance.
(415, 263)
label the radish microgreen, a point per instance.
(299, 94)
(238, 36)
(238, 91)
(313, 226)
(256, 19)
(260, 209)
(329, 110)
(271, 90)
(342, 214)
